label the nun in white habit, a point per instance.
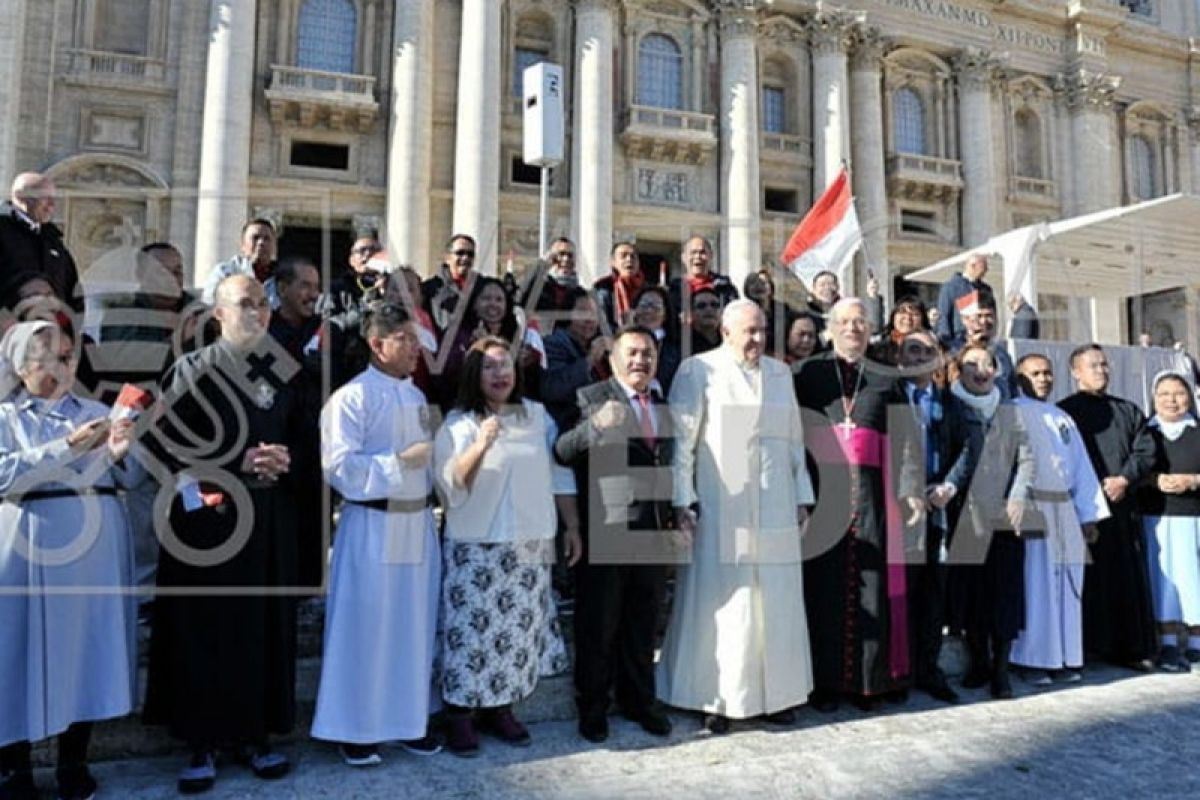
(67, 612)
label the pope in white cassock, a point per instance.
(1070, 499)
(381, 615)
(737, 645)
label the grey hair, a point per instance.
(843, 304)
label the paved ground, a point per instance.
(1117, 734)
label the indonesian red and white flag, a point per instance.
(827, 237)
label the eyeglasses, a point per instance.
(463, 253)
(706, 304)
(562, 254)
(365, 250)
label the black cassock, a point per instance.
(854, 592)
(1118, 622)
(223, 646)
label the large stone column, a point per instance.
(741, 198)
(1191, 135)
(12, 56)
(408, 179)
(1095, 185)
(831, 37)
(477, 130)
(976, 70)
(592, 154)
(224, 178)
(868, 181)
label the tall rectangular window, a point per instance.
(774, 109)
(523, 59)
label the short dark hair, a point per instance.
(1084, 348)
(258, 221)
(705, 290)
(613, 251)
(383, 319)
(634, 330)
(987, 301)
(824, 272)
(288, 269)
(470, 396)
(1031, 357)
(154, 247)
(455, 236)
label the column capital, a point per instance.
(832, 30)
(869, 46)
(1191, 117)
(783, 30)
(593, 5)
(977, 69)
(738, 17)
(1085, 89)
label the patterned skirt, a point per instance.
(500, 626)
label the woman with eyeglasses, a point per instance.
(987, 552)
(68, 653)
(652, 310)
(500, 486)
(908, 316)
(703, 331)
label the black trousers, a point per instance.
(926, 606)
(616, 616)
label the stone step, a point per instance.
(553, 700)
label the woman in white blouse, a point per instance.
(495, 469)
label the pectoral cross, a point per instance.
(847, 425)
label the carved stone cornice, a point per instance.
(977, 69)
(783, 31)
(1085, 89)
(593, 5)
(869, 46)
(832, 30)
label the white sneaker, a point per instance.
(361, 755)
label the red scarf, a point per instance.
(625, 292)
(698, 283)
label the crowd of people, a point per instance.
(791, 501)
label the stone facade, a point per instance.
(175, 119)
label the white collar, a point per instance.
(985, 405)
(1172, 430)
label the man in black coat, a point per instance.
(29, 241)
(620, 448)
(1025, 324)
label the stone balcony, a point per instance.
(918, 177)
(785, 147)
(668, 134)
(310, 97)
(99, 68)
(1033, 190)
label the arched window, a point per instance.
(660, 72)
(908, 127)
(328, 35)
(1028, 145)
(1143, 168)
(122, 27)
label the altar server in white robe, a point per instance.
(1070, 502)
(737, 645)
(67, 609)
(381, 615)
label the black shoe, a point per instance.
(19, 786)
(1171, 660)
(199, 775)
(653, 720)
(717, 724)
(594, 728)
(824, 702)
(897, 698)
(75, 783)
(1141, 665)
(265, 763)
(361, 755)
(1001, 687)
(425, 746)
(938, 688)
(976, 678)
(866, 703)
(785, 717)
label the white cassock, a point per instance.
(737, 644)
(381, 614)
(1067, 493)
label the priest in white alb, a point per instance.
(737, 644)
(381, 615)
(1070, 502)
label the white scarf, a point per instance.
(983, 404)
(1172, 430)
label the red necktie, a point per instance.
(647, 423)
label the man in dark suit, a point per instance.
(30, 241)
(620, 449)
